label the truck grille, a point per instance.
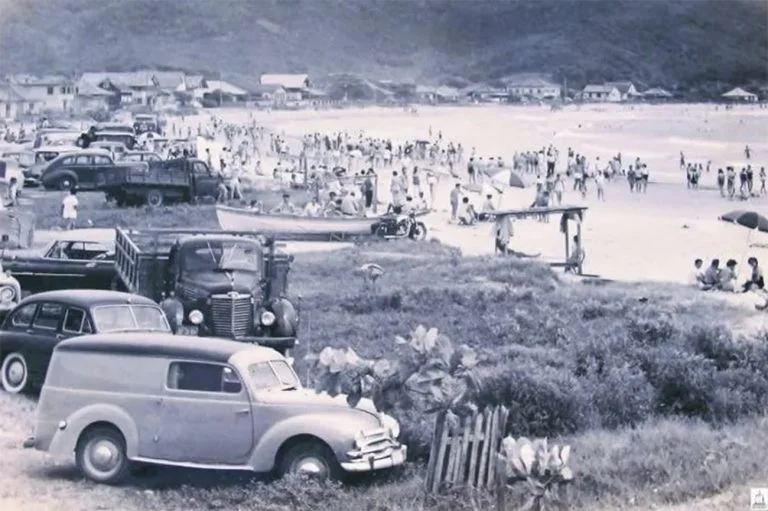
(232, 314)
(376, 443)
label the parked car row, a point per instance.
(120, 384)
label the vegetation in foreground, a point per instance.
(659, 401)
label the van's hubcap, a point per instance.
(312, 466)
(15, 372)
(104, 455)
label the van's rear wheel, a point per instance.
(155, 198)
(312, 459)
(100, 455)
(15, 373)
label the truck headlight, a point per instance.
(195, 317)
(267, 318)
(391, 424)
(7, 294)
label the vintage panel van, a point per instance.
(119, 399)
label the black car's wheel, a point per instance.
(100, 455)
(66, 183)
(312, 459)
(15, 373)
(155, 198)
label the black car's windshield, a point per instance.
(235, 255)
(127, 317)
(275, 374)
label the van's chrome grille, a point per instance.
(377, 443)
(232, 314)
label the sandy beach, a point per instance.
(632, 237)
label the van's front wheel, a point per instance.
(100, 455)
(312, 459)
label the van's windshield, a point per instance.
(127, 318)
(275, 374)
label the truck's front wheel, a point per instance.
(155, 198)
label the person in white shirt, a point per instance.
(69, 209)
(696, 278)
(312, 208)
(600, 184)
(349, 205)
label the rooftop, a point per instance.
(164, 345)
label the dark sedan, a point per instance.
(77, 259)
(79, 169)
(32, 330)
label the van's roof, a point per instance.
(87, 298)
(210, 349)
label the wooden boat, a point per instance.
(294, 226)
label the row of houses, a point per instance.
(154, 89)
(29, 95)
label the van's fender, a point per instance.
(65, 440)
(338, 435)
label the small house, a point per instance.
(740, 95)
(14, 104)
(92, 98)
(446, 94)
(53, 93)
(295, 85)
(532, 86)
(657, 93)
(269, 95)
(601, 93)
(220, 92)
(627, 90)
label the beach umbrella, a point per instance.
(509, 178)
(749, 219)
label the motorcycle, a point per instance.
(400, 226)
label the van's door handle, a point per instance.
(244, 411)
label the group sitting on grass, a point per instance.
(715, 278)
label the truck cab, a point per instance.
(217, 283)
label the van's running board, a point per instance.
(185, 464)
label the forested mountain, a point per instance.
(663, 42)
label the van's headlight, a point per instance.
(267, 318)
(195, 317)
(390, 424)
(7, 294)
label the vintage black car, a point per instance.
(77, 259)
(31, 331)
(81, 169)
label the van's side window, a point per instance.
(201, 377)
(48, 316)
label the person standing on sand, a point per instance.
(721, 182)
(730, 182)
(762, 181)
(644, 177)
(432, 184)
(471, 170)
(600, 185)
(747, 152)
(559, 187)
(455, 198)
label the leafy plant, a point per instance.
(544, 469)
(425, 372)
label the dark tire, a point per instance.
(14, 373)
(419, 231)
(66, 183)
(313, 459)
(100, 455)
(155, 198)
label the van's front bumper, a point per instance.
(370, 463)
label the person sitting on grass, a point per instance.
(711, 276)
(756, 280)
(697, 276)
(467, 213)
(728, 277)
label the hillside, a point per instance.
(665, 43)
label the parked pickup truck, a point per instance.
(212, 283)
(162, 182)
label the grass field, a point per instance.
(660, 401)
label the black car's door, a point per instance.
(101, 163)
(91, 265)
(83, 168)
(18, 336)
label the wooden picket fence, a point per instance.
(464, 454)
